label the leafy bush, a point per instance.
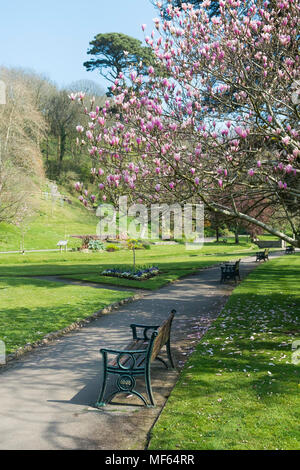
(138, 244)
(112, 248)
(95, 245)
(146, 245)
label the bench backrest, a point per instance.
(163, 335)
(237, 265)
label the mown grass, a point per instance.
(240, 388)
(32, 308)
(174, 261)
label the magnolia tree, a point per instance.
(215, 121)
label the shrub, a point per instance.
(95, 245)
(112, 248)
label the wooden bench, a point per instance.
(230, 271)
(262, 255)
(290, 250)
(135, 360)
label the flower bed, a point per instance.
(137, 275)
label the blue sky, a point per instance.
(52, 37)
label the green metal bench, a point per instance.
(262, 255)
(135, 360)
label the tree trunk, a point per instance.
(61, 148)
(47, 148)
(236, 236)
(63, 137)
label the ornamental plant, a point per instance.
(134, 274)
(216, 120)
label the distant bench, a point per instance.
(290, 250)
(230, 271)
(262, 255)
(136, 360)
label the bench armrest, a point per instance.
(146, 328)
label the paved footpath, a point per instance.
(47, 396)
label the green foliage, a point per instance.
(96, 245)
(109, 58)
(110, 247)
(137, 244)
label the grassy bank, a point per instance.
(240, 388)
(51, 223)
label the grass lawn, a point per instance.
(174, 261)
(240, 388)
(31, 308)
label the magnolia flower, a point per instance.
(286, 140)
(282, 185)
(241, 132)
(73, 96)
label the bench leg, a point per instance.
(168, 345)
(100, 401)
(149, 388)
(162, 361)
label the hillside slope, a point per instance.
(54, 219)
